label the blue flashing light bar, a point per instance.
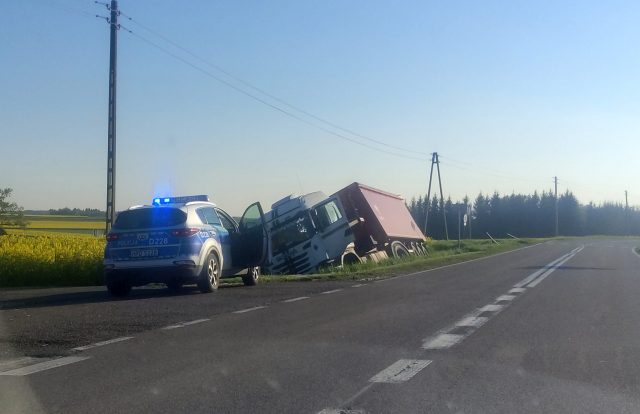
(179, 200)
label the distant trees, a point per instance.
(66, 211)
(530, 215)
(10, 213)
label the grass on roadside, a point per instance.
(441, 253)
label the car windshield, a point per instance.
(291, 232)
(145, 218)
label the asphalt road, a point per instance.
(549, 328)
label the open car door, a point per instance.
(249, 249)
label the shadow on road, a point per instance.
(37, 298)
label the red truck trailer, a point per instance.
(380, 221)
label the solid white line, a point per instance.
(535, 282)
(442, 341)
(295, 299)
(330, 291)
(400, 371)
(103, 343)
(537, 273)
(491, 308)
(505, 298)
(195, 321)
(250, 309)
(461, 263)
(53, 363)
(12, 364)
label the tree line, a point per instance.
(66, 211)
(524, 215)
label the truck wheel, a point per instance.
(398, 249)
(210, 276)
(118, 288)
(252, 276)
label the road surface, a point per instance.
(551, 328)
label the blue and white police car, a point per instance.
(183, 240)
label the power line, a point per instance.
(264, 102)
(267, 94)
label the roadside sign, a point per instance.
(464, 220)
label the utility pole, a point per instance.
(111, 134)
(459, 205)
(626, 211)
(426, 218)
(555, 181)
(436, 161)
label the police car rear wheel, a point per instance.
(210, 276)
(252, 276)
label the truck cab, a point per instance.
(306, 233)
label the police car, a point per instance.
(183, 240)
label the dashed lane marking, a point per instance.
(340, 411)
(358, 285)
(43, 366)
(295, 299)
(250, 309)
(103, 343)
(400, 371)
(442, 341)
(183, 324)
(472, 321)
(491, 308)
(330, 291)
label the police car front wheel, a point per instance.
(210, 276)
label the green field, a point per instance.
(61, 224)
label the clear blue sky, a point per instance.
(510, 93)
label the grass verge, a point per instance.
(442, 253)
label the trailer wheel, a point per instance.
(398, 249)
(350, 259)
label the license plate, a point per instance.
(144, 252)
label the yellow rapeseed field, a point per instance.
(50, 260)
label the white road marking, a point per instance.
(195, 321)
(546, 270)
(295, 299)
(491, 308)
(103, 343)
(472, 321)
(12, 364)
(633, 249)
(442, 341)
(340, 411)
(535, 282)
(42, 366)
(250, 309)
(358, 285)
(400, 371)
(330, 291)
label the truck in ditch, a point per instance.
(355, 224)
